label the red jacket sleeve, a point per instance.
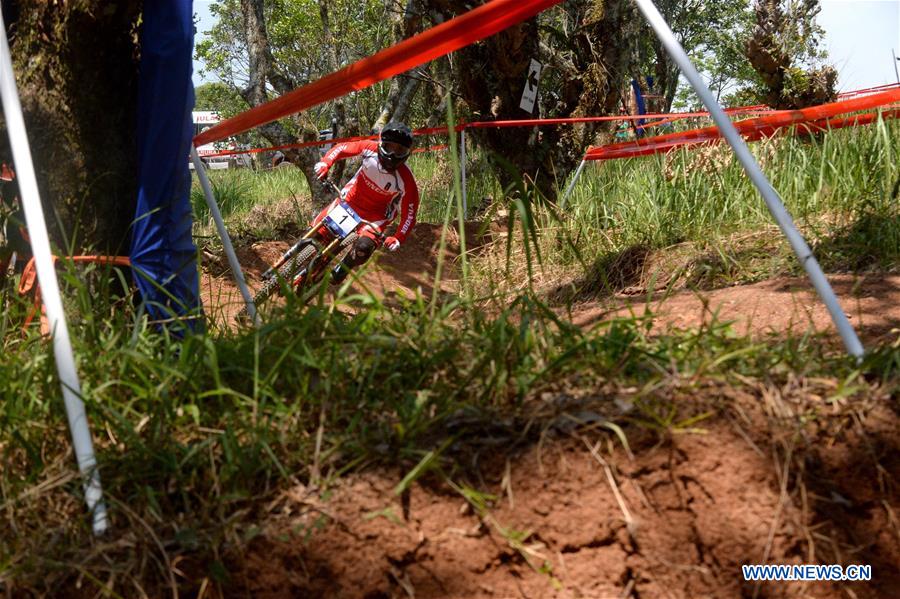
(348, 149)
(409, 204)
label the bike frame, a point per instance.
(310, 237)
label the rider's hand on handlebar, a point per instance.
(321, 170)
(392, 243)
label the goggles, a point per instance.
(394, 149)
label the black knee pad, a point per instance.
(362, 250)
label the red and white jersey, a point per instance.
(376, 193)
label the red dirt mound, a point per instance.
(569, 518)
(573, 519)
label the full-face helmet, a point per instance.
(394, 145)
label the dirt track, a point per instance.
(776, 306)
(781, 305)
(399, 273)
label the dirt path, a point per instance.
(779, 306)
(403, 273)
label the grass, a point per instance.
(195, 436)
(252, 201)
(826, 182)
(692, 218)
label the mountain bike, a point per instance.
(307, 260)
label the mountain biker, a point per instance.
(382, 187)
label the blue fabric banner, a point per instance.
(163, 253)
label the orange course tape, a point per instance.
(436, 148)
(29, 281)
(867, 91)
(475, 25)
(666, 118)
(323, 142)
(814, 116)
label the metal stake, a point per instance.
(896, 72)
(43, 258)
(575, 177)
(773, 201)
(462, 145)
(223, 233)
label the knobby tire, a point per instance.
(286, 273)
(289, 270)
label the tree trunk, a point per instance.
(403, 88)
(403, 91)
(76, 68)
(582, 79)
(339, 125)
(786, 85)
(261, 70)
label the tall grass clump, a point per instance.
(826, 181)
(239, 190)
(692, 217)
(434, 174)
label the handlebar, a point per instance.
(375, 229)
(336, 188)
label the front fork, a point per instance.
(323, 256)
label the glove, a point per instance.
(321, 169)
(392, 243)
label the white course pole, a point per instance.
(575, 177)
(223, 233)
(40, 246)
(462, 145)
(773, 202)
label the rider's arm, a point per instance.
(409, 204)
(348, 149)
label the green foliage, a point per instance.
(793, 23)
(219, 97)
(253, 201)
(710, 33)
(302, 50)
(780, 37)
(784, 49)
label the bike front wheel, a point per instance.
(285, 275)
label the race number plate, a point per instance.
(341, 220)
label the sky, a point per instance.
(859, 37)
(201, 10)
